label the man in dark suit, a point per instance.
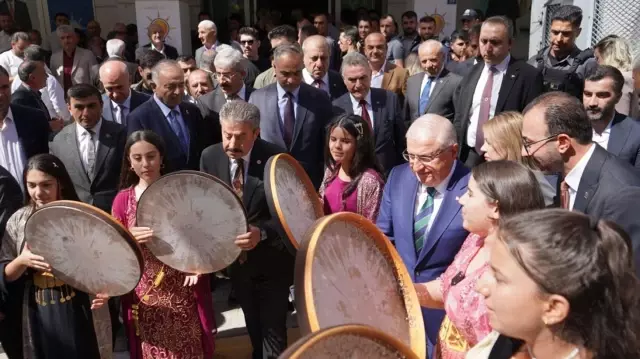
(91, 148)
(498, 84)
(178, 123)
(419, 211)
(378, 107)
(558, 135)
(262, 275)
(316, 67)
(157, 37)
(33, 76)
(294, 114)
(118, 98)
(617, 133)
(230, 72)
(431, 91)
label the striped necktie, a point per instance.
(421, 220)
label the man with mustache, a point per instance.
(615, 132)
(264, 271)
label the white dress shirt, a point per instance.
(376, 77)
(603, 138)
(233, 165)
(12, 155)
(575, 175)
(83, 138)
(438, 197)
(309, 80)
(10, 62)
(357, 110)
(242, 94)
(52, 96)
(120, 111)
(477, 97)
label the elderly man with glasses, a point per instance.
(419, 210)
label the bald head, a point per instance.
(316, 56)
(375, 49)
(375, 36)
(315, 41)
(432, 127)
(432, 58)
(114, 76)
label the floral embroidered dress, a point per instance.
(466, 322)
(163, 318)
(365, 200)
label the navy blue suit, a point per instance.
(624, 139)
(444, 239)
(33, 129)
(149, 116)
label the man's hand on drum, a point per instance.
(99, 301)
(141, 234)
(249, 240)
(28, 259)
(191, 280)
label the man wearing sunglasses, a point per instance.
(498, 83)
(250, 43)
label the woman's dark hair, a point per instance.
(590, 263)
(52, 166)
(512, 186)
(128, 177)
(364, 157)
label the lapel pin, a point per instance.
(258, 162)
(513, 76)
(586, 195)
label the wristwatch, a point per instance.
(263, 235)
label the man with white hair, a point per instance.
(72, 65)
(208, 35)
(118, 98)
(157, 36)
(316, 67)
(432, 90)
(116, 50)
(419, 210)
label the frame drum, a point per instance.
(348, 342)
(347, 272)
(195, 219)
(86, 248)
(292, 198)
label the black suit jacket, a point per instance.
(33, 129)
(100, 191)
(149, 116)
(169, 51)
(624, 139)
(10, 198)
(389, 126)
(610, 189)
(520, 85)
(336, 85)
(29, 98)
(270, 257)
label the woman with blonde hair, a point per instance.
(614, 51)
(412, 64)
(503, 141)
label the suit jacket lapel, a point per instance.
(590, 179)
(409, 207)
(219, 100)
(72, 141)
(388, 75)
(508, 80)
(105, 144)
(301, 114)
(439, 85)
(107, 109)
(275, 128)
(76, 60)
(618, 135)
(415, 90)
(474, 77)
(377, 107)
(223, 168)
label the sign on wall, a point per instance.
(80, 12)
(171, 16)
(443, 11)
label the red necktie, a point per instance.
(365, 114)
(564, 195)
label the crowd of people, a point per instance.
(455, 149)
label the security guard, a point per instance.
(563, 64)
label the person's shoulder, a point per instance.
(21, 111)
(212, 151)
(372, 176)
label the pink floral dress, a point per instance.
(466, 322)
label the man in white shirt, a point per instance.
(208, 35)
(11, 59)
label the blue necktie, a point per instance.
(177, 129)
(424, 98)
(421, 220)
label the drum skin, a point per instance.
(195, 219)
(347, 272)
(86, 247)
(291, 197)
(348, 342)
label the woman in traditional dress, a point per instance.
(57, 321)
(352, 180)
(496, 190)
(564, 285)
(170, 313)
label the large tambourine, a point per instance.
(347, 272)
(85, 247)
(195, 219)
(348, 342)
(291, 197)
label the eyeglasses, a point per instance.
(228, 77)
(426, 159)
(527, 145)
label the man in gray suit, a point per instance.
(90, 148)
(294, 114)
(72, 65)
(118, 98)
(431, 91)
(378, 107)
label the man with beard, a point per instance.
(410, 38)
(395, 51)
(557, 135)
(427, 28)
(617, 133)
(12, 58)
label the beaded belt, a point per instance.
(45, 282)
